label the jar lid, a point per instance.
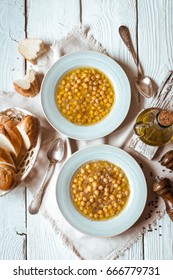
(165, 118)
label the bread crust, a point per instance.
(7, 177)
(6, 158)
(4, 119)
(12, 138)
(14, 133)
(32, 91)
(29, 125)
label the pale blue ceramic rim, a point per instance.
(115, 74)
(136, 202)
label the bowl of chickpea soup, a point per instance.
(101, 190)
(85, 95)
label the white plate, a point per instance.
(135, 204)
(115, 74)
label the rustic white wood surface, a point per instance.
(23, 236)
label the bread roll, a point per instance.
(7, 177)
(31, 49)
(28, 128)
(28, 86)
(6, 158)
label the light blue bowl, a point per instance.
(136, 202)
(116, 76)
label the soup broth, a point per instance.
(84, 96)
(99, 190)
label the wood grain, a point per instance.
(13, 227)
(12, 64)
(104, 19)
(166, 238)
(12, 206)
(48, 20)
(155, 44)
(43, 243)
(51, 20)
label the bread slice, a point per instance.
(4, 118)
(8, 142)
(28, 86)
(6, 158)
(7, 177)
(28, 128)
(31, 49)
(14, 132)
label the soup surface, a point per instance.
(84, 96)
(99, 190)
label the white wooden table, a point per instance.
(23, 236)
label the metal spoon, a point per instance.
(55, 155)
(143, 83)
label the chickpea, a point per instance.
(105, 209)
(100, 188)
(95, 184)
(106, 190)
(96, 192)
(90, 179)
(92, 199)
(82, 203)
(88, 188)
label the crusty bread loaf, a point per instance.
(31, 49)
(7, 177)
(28, 128)
(8, 141)
(6, 158)
(28, 86)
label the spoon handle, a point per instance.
(37, 199)
(125, 35)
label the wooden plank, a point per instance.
(104, 18)
(48, 20)
(13, 236)
(12, 205)
(51, 20)
(12, 64)
(42, 242)
(155, 45)
(166, 234)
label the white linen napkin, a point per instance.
(85, 247)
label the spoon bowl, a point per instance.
(144, 86)
(55, 153)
